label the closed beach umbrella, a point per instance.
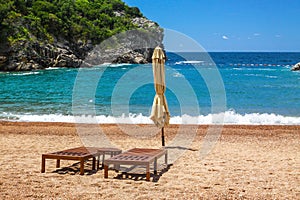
(160, 113)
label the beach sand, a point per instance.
(247, 162)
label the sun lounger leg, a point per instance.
(81, 166)
(43, 164)
(103, 158)
(105, 171)
(94, 163)
(155, 166)
(98, 162)
(148, 172)
(57, 163)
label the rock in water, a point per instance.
(296, 67)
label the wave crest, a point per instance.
(229, 117)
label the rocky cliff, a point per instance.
(134, 45)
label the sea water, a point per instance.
(241, 88)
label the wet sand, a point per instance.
(246, 162)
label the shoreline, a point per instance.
(247, 162)
(138, 124)
(229, 118)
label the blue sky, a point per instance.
(230, 25)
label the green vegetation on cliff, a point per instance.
(72, 20)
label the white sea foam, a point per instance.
(118, 65)
(52, 68)
(253, 68)
(237, 68)
(230, 117)
(271, 76)
(189, 62)
(254, 75)
(177, 74)
(23, 73)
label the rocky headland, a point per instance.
(24, 48)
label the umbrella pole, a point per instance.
(162, 137)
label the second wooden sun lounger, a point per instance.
(137, 156)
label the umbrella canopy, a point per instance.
(160, 112)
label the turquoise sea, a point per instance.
(240, 88)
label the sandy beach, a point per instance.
(247, 162)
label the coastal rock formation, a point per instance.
(36, 55)
(296, 67)
(36, 48)
(133, 46)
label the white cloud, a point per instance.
(256, 34)
(225, 37)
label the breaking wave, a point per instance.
(229, 117)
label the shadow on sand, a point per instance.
(137, 173)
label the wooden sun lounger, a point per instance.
(137, 156)
(81, 154)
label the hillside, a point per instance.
(37, 34)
